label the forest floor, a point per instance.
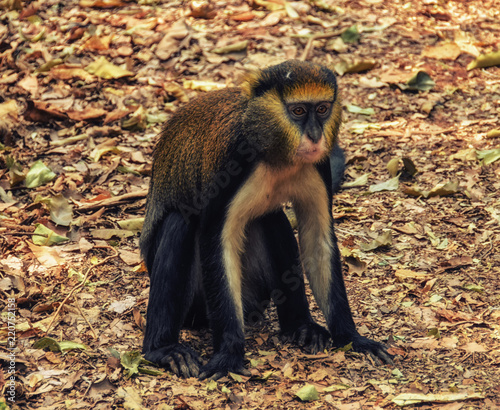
(84, 88)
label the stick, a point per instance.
(320, 36)
(81, 284)
(116, 200)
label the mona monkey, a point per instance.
(216, 242)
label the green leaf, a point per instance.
(360, 128)
(474, 288)
(47, 343)
(16, 173)
(351, 35)
(308, 393)
(385, 239)
(393, 167)
(265, 377)
(419, 82)
(104, 69)
(390, 185)
(232, 48)
(361, 181)
(435, 299)
(358, 110)
(493, 133)
(44, 236)
(69, 345)
(130, 362)
(236, 377)
(133, 224)
(409, 166)
(489, 156)
(485, 60)
(60, 210)
(443, 189)
(38, 175)
(211, 385)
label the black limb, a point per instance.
(287, 286)
(340, 321)
(337, 165)
(173, 284)
(227, 329)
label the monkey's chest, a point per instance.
(267, 190)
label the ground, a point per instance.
(84, 88)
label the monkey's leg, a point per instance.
(221, 265)
(287, 287)
(173, 283)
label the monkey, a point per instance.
(216, 242)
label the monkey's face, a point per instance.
(293, 112)
(310, 118)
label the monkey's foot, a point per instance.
(219, 366)
(311, 337)
(181, 360)
(376, 350)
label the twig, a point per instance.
(81, 285)
(116, 200)
(321, 36)
(86, 320)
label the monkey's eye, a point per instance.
(323, 109)
(298, 111)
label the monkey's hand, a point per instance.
(181, 360)
(219, 366)
(310, 336)
(376, 350)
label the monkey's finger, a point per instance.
(193, 365)
(314, 343)
(211, 376)
(302, 337)
(181, 364)
(384, 356)
(173, 366)
(322, 343)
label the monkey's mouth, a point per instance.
(310, 154)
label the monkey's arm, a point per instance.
(322, 263)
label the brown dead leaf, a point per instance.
(427, 343)
(42, 111)
(442, 51)
(474, 347)
(451, 316)
(101, 4)
(247, 16)
(89, 113)
(30, 84)
(169, 44)
(46, 255)
(97, 43)
(403, 274)
(64, 72)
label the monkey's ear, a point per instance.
(249, 81)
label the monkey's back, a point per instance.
(194, 144)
